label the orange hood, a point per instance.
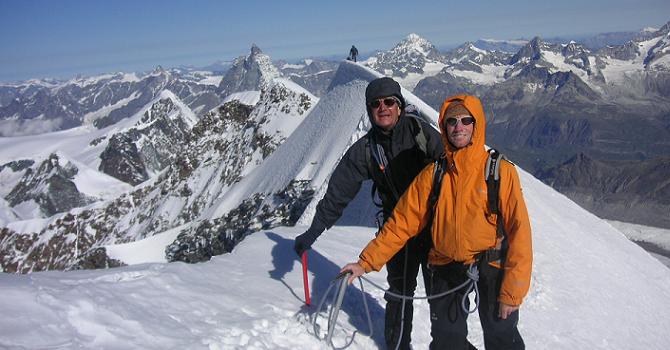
(476, 147)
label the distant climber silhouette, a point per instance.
(353, 53)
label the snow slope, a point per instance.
(591, 289)
(654, 239)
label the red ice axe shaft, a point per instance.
(304, 278)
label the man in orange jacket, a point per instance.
(463, 229)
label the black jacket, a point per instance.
(405, 160)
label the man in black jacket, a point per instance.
(391, 154)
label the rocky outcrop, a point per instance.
(133, 155)
(50, 186)
(121, 159)
(260, 212)
(18, 165)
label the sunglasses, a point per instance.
(464, 121)
(388, 102)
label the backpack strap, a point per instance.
(438, 174)
(371, 170)
(376, 158)
(493, 179)
(492, 172)
(419, 136)
(382, 162)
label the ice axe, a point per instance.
(304, 277)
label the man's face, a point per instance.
(385, 112)
(459, 125)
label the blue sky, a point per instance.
(62, 38)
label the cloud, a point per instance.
(29, 127)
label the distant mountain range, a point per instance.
(551, 102)
(121, 157)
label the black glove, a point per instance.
(305, 241)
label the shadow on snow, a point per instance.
(324, 270)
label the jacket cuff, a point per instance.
(510, 300)
(367, 267)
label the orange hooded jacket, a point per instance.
(463, 226)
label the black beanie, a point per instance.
(383, 87)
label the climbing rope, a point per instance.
(335, 309)
(472, 274)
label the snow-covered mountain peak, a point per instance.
(184, 113)
(529, 52)
(469, 54)
(282, 106)
(413, 42)
(249, 73)
(257, 57)
(159, 69)
(646, 53)
(414, 37)
(475, 64)
(84, 82)
(471, 46)
(573, 47)
(657, 57)
(467, 49)
(255, 50)
(408, 61)
(413, 45)
(540, 59)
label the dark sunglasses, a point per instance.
(388, 102)
(464, 120)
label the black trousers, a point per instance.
(402, 280)
(449, 328)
